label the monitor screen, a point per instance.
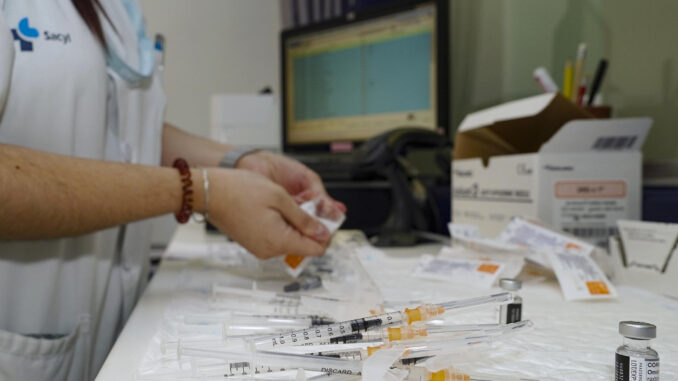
(354, 81)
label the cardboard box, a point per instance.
(544, 157)
(645, 255)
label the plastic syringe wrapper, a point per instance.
(324, 210)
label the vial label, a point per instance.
(510, 313)
(514, 313)
(635, 369)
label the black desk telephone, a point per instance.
(384, 157)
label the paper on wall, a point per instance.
(648, 244)
(245, 120)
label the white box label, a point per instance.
(589, 210)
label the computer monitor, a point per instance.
(350, 79)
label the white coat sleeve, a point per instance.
(6, 61)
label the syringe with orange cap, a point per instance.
(423, 313)
(422, 333)
(453, 374)
(413, 350)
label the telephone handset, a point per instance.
(376, 154)
(412, 211)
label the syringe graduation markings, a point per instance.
(276, 359)
(344, 360)
(422, 313)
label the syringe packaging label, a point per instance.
(635, 369)
(331, 371)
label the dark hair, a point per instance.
(88, 11)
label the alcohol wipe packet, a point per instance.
(325, 211)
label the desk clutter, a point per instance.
(456, 313)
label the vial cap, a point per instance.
(509, 284)
(637, 330)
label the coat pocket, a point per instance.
(46, 356)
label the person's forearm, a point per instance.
(45, 196)
(198, 151)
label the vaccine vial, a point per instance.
(635, 360)
(511, 313)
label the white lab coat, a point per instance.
(64, 301)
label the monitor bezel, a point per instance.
(442, 70)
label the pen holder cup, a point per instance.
(599, 112)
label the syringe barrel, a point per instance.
(500, 298)
(284, 360)
(325, 333)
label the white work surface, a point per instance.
(570, 341)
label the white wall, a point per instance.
(497, 45)
(212, 46)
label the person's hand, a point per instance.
(297, 179)
(261, 216)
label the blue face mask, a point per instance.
(146, 51)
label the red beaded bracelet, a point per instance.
(184, 214)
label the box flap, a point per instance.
(599, 135)
(515, 127)
(521, 108)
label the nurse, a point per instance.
(85, 158)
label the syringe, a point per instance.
(414, 351)
(384, 335)
(219, 290)
(422, 313)
(244, 368)
(452, 374)
(246, 372)
(228, 317)
(265, 365)
(404, 333)
(232, 369)
(255, 327)
(207, 370)
(259, 308)
(489, 329)
(419, 343)
(276, 359)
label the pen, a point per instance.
(579, 69)
(542, 76)
(597, 80)
(160, 48)
(582, 91)
(567, 80)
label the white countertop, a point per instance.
(570, 338)
(125, 357)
